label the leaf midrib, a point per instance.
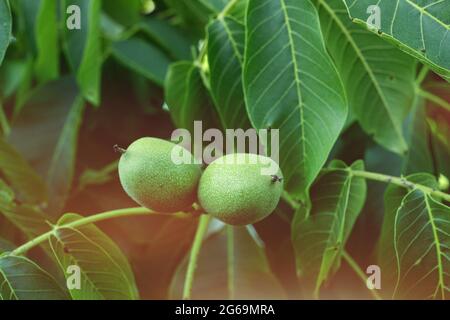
(297, 82)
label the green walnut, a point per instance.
(151, 178)
(238, 189)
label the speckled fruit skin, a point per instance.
(238, 194)
(150, 177)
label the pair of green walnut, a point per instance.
(236, 193)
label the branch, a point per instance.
(84, 221)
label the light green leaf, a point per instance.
(320, 235)
(17, 171)
(226, 40)
(83, 48)
(143, 58)
(237, 10)
(167, 36)
(46, 35)
(56, 111)
(231, 265)
(22, 279)
(5, 30)
(291, 84)
(187, 98)
(105, 271)
(414, 245)
(378, 77)
(420, 28)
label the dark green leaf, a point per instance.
(187, 98)
(21, 175)
(168, 37)
(231, 265)
(22, 279)
(125, 12)
(420, 28)
(83, 47)
(5, 30)
(28, 219)
(378, 77)
(143, 58)
(55, 111)
(320, 235)
(419, 157)
(291, 84)
(226, 40)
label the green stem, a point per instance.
(434, 98)
(4, 124)
(230, 262)
(289, 200)
(352, 263)
(422, 75)
(81, 222)
(402, 182)
(193, 257)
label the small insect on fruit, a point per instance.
(150, 177)
(234, 189)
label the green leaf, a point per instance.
(22, 279)
(194, 14)
(17, 171)
(143, 58)
(231, 265)
(46, 35)
(105, 271)
(414, 245)
(187, 98)
(168, 37)
(420, 28)
(378, 77)
(28, 219)
(291, 84)
(238, 9)
(440, 143)
(419, 157)
(125, 12)
(83, 48)
(6, 246)
(320, 235)
(55, 110)
(226, 40)
(5, 31)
